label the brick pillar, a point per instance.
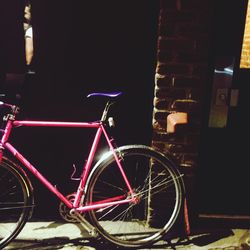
(181, 74)
(181, 77)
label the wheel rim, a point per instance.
(14, 204)
(142, 222)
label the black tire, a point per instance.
(16, 201)
(157, 184)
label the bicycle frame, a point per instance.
(77, 204)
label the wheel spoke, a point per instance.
(152, 178)
(15, 203)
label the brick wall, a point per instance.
(181, 75)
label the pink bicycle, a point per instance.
(133, 194)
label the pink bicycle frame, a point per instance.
(86, 169)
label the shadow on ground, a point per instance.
(200, 239)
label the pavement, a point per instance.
(207, 235)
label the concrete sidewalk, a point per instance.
(57, 235)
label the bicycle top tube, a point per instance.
(18, 123)
(10, 118)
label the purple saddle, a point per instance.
(111, 95)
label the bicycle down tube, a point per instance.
(86, 169)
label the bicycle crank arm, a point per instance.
(87, 226)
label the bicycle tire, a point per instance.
(158, 185)
(16, 200)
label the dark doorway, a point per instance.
(223, 174)
(99, 46)
(83, 47)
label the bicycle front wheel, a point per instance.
(15, 201)
(158, 188)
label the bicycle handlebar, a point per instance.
(14, 109)
(6, 104)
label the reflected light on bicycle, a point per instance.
(102, 154)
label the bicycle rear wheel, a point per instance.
(15, 201)
(158, 187)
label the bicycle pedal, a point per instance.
(86, 225)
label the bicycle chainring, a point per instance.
(65, 211)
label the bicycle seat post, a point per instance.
(105, 111)
(108, 104)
